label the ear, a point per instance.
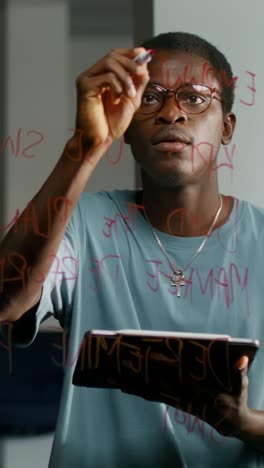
(229, 127)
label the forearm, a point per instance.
(26, 251)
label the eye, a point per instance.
(151, 97)
(195, 95)
(193, 99)
(148, 98)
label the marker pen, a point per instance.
(144, 57)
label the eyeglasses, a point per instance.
(192, 98)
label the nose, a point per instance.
(171, 112)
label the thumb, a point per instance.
(242, 364)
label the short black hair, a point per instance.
(186, 42)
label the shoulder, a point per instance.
(93, 207)
(254, 211)
(252, 218)
(106, 197)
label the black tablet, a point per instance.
(161, 366)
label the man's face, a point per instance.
(171, 146)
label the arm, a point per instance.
(108, 94)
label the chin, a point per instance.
(165, 180)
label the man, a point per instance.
(184, 262)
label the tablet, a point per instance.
(159, 365)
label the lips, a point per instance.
(170, 136)
(170, 140)
(170, 146)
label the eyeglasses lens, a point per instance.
(191, 98)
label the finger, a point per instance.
(123, 56)
(141, 82)
(115, 77)
(94, 86)
(114, 66)
(122, 66)
(242, 364)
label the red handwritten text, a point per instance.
(16, 143)
(56, 207)
(219, 284)
(130, 219)
(103, 270)
(14, 268)
(192, 423)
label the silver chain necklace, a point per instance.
(177, 276)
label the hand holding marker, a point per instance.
(140, 59)
(144, 57)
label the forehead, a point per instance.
(171, 69)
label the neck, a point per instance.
(186, 212)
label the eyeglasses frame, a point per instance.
(174, 91)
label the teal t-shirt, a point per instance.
(110, 273)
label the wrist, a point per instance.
(251, 429)
(244, 427)
(81, 148)
(78, 146)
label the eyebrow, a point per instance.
(154, 82)
(151, 83)
(183, 83)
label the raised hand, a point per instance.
(108, 94)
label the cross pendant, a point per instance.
(177, 280)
